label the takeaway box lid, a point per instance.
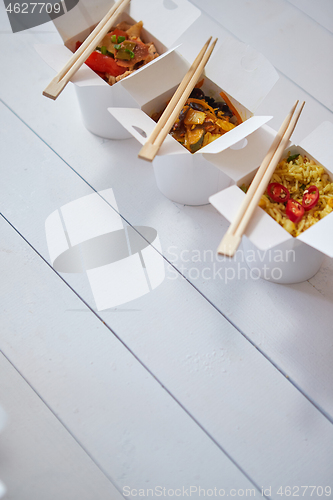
(166, 20)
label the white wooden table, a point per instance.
(199, 387)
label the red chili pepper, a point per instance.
(294, 210)
(104, 64)
(310, 197)
(278, 192)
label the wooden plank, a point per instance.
(229, 388)
(321, 11)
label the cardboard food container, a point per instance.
(163, 23)
(190, 178)
(267, 247)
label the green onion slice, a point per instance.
(130, 53)
(292, 158)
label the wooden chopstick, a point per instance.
(233, 236)
(171, 112)
(60, 81)
(256, 180)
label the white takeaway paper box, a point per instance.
(263, 234)
(163, 23)
(190, 178)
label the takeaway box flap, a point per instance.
(263, 231)
(236, 135)
(319, 144)
(149, 81)
(140, 126)
(133, 119)
(166, 20)
(320, 235)
(242, 72)
(56, 56)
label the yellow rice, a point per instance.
(297, 176)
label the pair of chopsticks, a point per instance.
(60, 81)
(233, 236)
(178, 100)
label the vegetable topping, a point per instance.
(294, 211)
(104, 64)
(120, 53)
(202, 120)
(310, 198)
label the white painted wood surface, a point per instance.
(201, 382)
(103, 396)
(39, 458)
(300, 48)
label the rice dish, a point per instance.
(301, 177)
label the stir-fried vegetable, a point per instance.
(120, 53)
(202, 120)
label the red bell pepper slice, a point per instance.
(278, 192)
(310, 197)
(104, 64)
(294, 211)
